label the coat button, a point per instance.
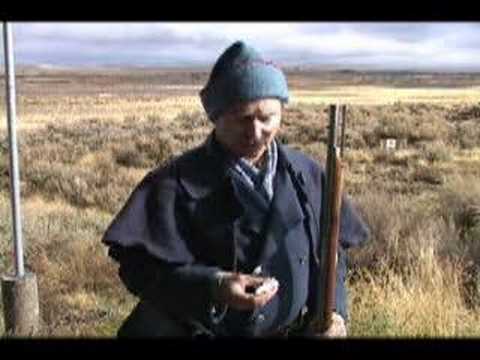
(260, 318)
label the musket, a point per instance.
(330, 222)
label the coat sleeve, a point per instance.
(149, 238)
(353, 230)
(184, 291)
(152, 218)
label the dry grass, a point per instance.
(83, 150)
(428, 303)
(43, 111)
(420, 276)
(376, 95)
(79, 290)
(460, 203)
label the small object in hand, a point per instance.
(270, 285)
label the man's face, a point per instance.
(248, 128)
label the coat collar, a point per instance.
(204, 168)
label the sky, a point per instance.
(443, 46)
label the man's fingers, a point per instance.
(252, 281)
(244, 302)
(251, 302)
(337, 329)
(270, 286)
(248, 292)
(263, 298)
(248, 301)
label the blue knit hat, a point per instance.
(241, 74)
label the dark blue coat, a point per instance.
(182, 224)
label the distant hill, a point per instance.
(303, 77)
(310, 67)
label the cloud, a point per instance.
(200, 43)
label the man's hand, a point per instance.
(238, 291)
(337, 329)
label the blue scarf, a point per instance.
(256, 184)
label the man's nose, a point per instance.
(255, 129)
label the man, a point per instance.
(199, 236)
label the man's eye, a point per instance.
(263, 119)
(270, 118)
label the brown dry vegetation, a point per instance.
(81, 156)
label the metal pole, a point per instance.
(19, 293)
(12, 136)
